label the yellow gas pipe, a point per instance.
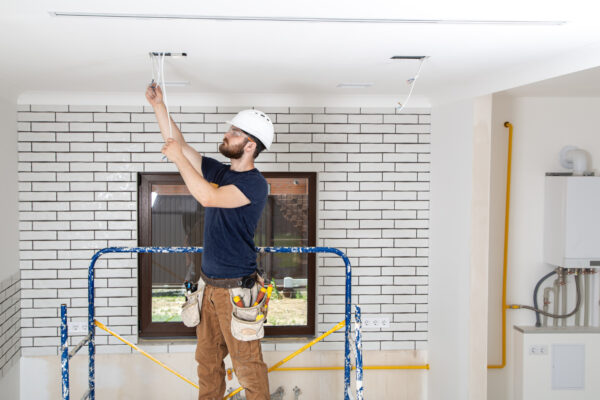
(275, 367)
(378, 367)
(340, 325)
(133, 346)
(294, 354)
(505, 261)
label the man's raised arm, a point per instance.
(155, 98)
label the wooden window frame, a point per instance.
(149, 329)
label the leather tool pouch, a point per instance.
(247, 323)
(190, 311)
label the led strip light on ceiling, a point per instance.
(303, 19)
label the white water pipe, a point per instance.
(563, 300)
(586, 311)
(556, 287)
(547, 292)
(575, 159)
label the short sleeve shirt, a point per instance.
(229, 249)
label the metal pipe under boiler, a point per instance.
(547, 292)
(563, 300)
(586, 302)
(578, 317)
(595, 298)
(583, 306)
(556, 296)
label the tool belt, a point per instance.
(231, 283)
(190, 310)
(249, 312)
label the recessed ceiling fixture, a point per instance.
(407, 57)
(354, 85)
(167, 54)
(305, 19)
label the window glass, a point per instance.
(177, 220)
(285, 223)
(170, 216)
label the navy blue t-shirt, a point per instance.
(229, 250)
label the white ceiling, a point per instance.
(578, 84)
(49, 55)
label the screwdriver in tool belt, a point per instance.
(260, 296)
(269, 292)
(238, 301)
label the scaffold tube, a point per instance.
(64, 351)
(294, 354)
(373, 367)
(275, 367)
(133, 346)
(91, 311)
(359, 360)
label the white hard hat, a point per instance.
(256, 123)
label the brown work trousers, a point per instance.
(215, 341)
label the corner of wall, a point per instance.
(9, 240)
(10, 278)
(10, 336)
(450, 226)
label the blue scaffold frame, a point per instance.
(90, 338)
(359, 359)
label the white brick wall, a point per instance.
(10, 327)
(77, 172)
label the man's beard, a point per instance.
(233, 152)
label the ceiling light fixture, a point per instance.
(304, 19)
(167, 54)
(407, 57)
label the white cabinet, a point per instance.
(556, 363)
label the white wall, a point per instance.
(78, 167)
(9, 250)
(542, 126)
(460, 204)
(77, 173)
(9, 241)
(480, 227)
(133, 377)
(451, 189)
(10, 382)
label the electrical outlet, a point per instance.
(77, 328)
(538, 350)
(375, 322)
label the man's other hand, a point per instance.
(154, 95)
(172, 149)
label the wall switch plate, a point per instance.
(375, 322)
(538, 350)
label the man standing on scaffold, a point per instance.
(233, 309)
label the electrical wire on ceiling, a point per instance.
(411, 82)
(158, 78)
